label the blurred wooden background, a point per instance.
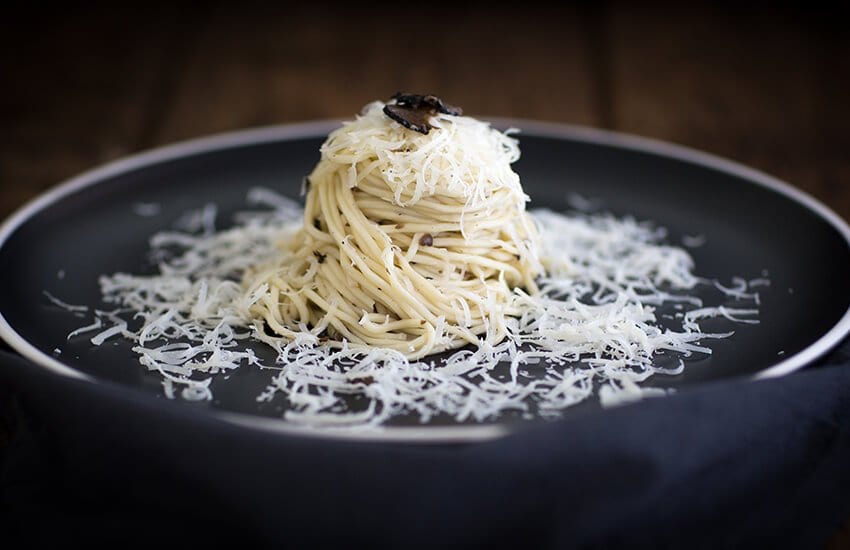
(767, 87)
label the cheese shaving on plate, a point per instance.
(592, 328)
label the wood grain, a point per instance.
(83, 89)
(764, 87)
(249, 69)
(748, 86)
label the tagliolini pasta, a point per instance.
(415, 240)
(411, 241)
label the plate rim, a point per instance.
(320, 128)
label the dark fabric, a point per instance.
(723, 465)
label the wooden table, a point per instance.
(82, 88)
(769, 89)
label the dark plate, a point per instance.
(752, 224)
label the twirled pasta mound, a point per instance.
(410, 241)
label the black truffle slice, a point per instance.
(414, 111)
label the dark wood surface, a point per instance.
(768, 88)
(765, 88)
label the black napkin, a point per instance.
(723, 465)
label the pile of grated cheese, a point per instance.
(462, 157)
(593, 328)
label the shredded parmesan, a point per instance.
(593, 328)
(88, 328)
(693, 241)
(412, 245)
(146, 209)
(67, 307)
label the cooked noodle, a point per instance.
(411, 242)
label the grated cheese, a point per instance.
(67, 307)
(147, 209)
(592, 329)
